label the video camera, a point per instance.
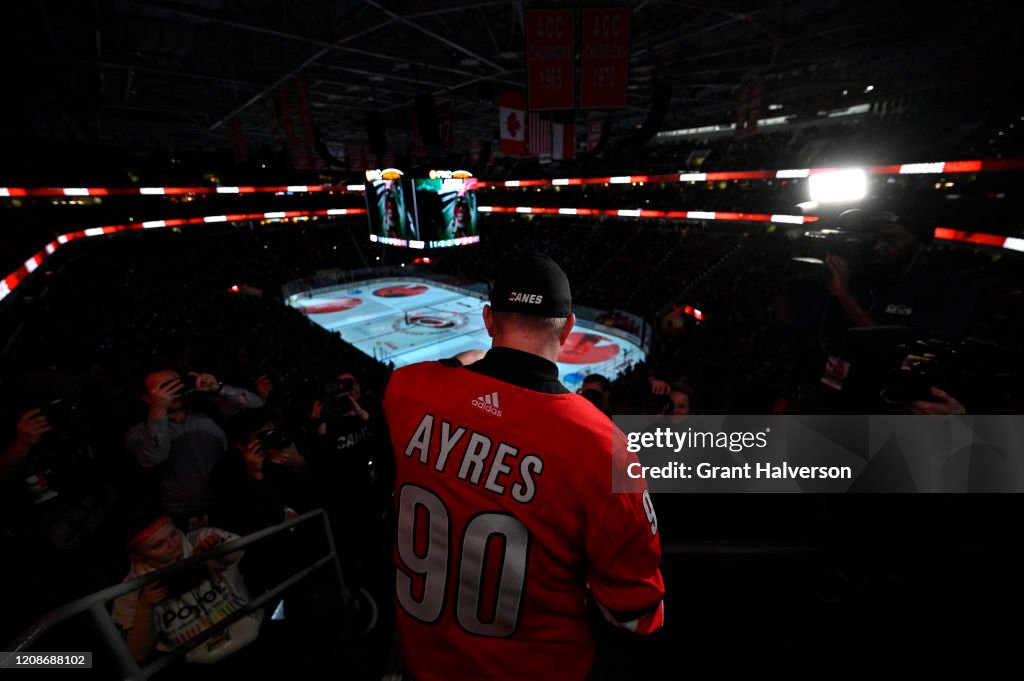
(850, 236)
(895, 364)
(972, 370)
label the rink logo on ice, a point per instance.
(429, 322)
(488, 403)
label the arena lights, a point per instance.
(663, 214)
(446, 243)
(388, 240)
(939, 167)
(383, 174)
(979, 238)
(838, 186)
(15, 192)
(15, 278)
(449, 174)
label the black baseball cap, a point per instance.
(877, 219)
(531, 284)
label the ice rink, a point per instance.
(408, 320)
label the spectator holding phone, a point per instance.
(181, 442)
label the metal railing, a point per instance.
(95, 603)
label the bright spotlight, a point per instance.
(839, 185)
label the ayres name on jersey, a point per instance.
(474, 458)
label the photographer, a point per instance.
(895, 285)
(261, 481)
(53, 485)
(883, 292)
(181, 441)
(30, 429)
(350, 437)
(350, 466)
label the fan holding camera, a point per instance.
(350, 464)
(350, 434)
(181, 441)
(261, 481)
(340, 400)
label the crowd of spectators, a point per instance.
(141, 382)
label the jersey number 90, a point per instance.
(419, 511)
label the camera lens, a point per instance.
(275, 439)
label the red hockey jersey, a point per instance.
(507, 525)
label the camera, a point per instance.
(186, 580)
(336, 407)
(850, 236)
(335, 399)
(972, 370)
(811, 270)
(62, 414)
(188, 384)
(275, 438)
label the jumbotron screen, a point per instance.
(390, 210)
(435, 212)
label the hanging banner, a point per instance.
(749, 107)
(604, 65)
(445, 129)
(237, 141)
(594, 131)
(563, 141)
(512, 122)
(308, 137)
(550, 38)
(538, 135)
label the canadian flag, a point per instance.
(512, 121)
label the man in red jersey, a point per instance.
(507, 523)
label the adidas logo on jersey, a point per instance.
(488, 403)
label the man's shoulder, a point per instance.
(413, 373)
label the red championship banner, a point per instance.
(237, 141)
(550, 38)
(604, 66)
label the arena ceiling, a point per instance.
(138, 72)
